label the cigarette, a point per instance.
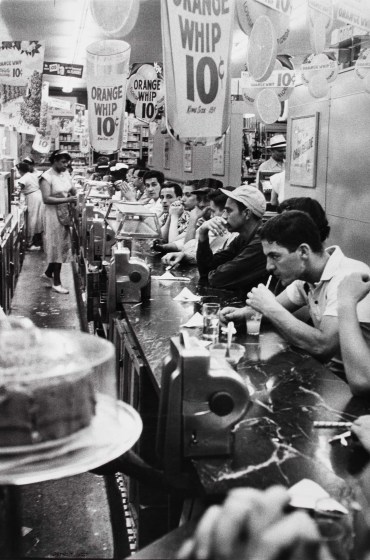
(269, 281)
(332, 424)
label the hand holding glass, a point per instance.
(211, 321)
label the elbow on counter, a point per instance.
(360, 385)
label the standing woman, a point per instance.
(30, 188)
(56, 188)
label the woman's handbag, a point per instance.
(64, 212)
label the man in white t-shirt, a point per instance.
(311, 274)
(277, 188)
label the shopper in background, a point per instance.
(57, 189)
(31, 164)
(276, 162)
(30, 188)
(242, 264)
(101, 168)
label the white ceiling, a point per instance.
(68, 27)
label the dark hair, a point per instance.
(192, 183)
(23, 166)
(59, 154)
(154, 174)
(141, 172)
(29, 160)
(175, 186)
(291, 229)
(210, 183)
(311, 207)
(218, 198)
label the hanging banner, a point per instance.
(145, 90)
(20, 84)
(79, 119)
(196, 46)
(354, 12)
(58, 69)
(57, 103)
(106, 76)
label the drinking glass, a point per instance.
(211, 321)
(253, 322)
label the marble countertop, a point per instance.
(275, 442)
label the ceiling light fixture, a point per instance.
(67, 89)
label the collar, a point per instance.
(247, 237)
(334, 262)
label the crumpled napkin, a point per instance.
(186, 295)
(195, 321)
(168, 276)
(306, 493)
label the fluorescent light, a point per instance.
(67, 89)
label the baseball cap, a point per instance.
(251, 197)
(277, 141)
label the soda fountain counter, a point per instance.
(273, 442)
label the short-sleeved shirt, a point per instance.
(321, 297)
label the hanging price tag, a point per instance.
(42, 143)
(278, 78)
(282, 6)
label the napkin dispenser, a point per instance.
(129, 278)
(200, 403)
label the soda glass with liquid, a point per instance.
(211, 321)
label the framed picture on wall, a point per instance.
(166, 153)
(303, 150)
(188, 158)
(218, 157)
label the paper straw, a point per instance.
(269, 281)
(332, 424)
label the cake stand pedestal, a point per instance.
(114, 430)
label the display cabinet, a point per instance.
(135, 144)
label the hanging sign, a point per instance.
(79, 119)
(325, 7)
(20, 84)
(57, 103)
(59, 69)
(196, 46)
(277, 79)
(354, 12)
(145, 90)
(84, 143)
(106, 76)
(282, 6)
(42, 142)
